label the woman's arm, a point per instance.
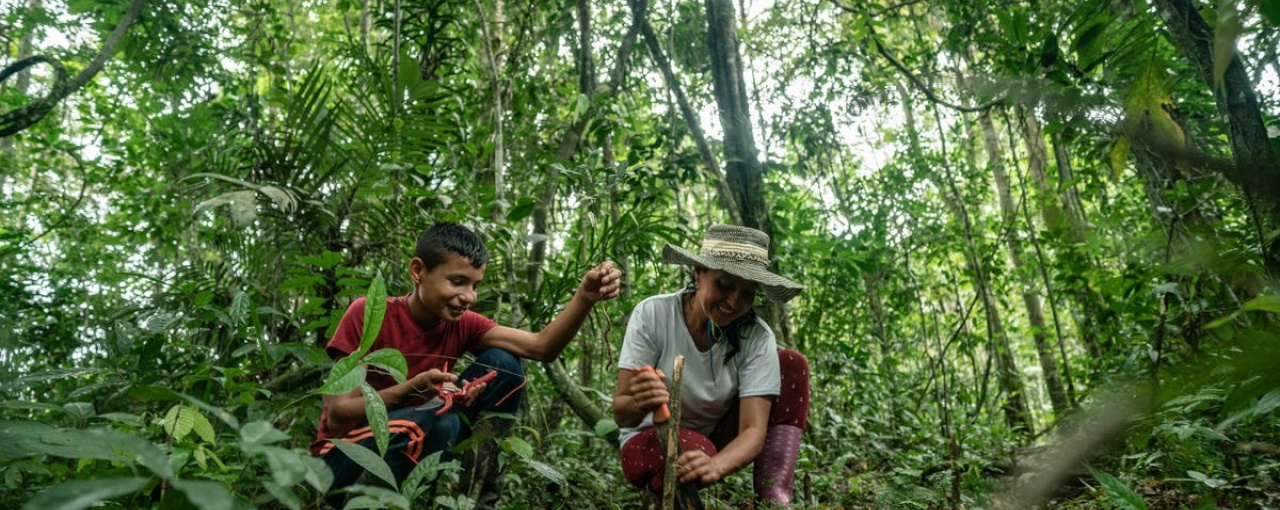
(753, 422)
(638, 394)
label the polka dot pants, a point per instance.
(642, 455)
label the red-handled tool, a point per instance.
(661, 414)
(448, 394)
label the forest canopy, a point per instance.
(1039, 240)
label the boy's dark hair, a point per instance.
(436, 243)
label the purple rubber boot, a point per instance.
(775, 467)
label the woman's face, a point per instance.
(724, 297)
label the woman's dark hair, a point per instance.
(435, 244)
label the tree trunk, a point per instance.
(1016, 412)
(1035, 310)
(743, 172)
(1087, 301)
(1256, 171)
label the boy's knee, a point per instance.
(502, 361)
(503, 394)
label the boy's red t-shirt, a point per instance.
(422, 349)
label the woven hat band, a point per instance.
(747, 252)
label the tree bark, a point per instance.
(743, 172)
(1256, 170)
(1035, 308)
(1016, 412)
(579, 402)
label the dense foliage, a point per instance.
(1039, 239)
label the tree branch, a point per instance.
(729, 202)
(915, 80)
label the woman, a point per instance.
(742, 400)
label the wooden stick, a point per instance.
(669, 482)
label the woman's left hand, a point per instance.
(697, 466)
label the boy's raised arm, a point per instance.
(599, 284)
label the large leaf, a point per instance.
(206, 495)
(547, 471)
(367, 459)
(375, 411)
(261, 433)
(390, 360)
(375, 308)
(1119, 493)
(23, 439)
(427, 469)
(81, 494)
(179, 421)
(376, 497)
(347, 375)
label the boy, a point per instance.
(432, 326)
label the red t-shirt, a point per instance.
(422, 349)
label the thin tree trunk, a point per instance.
(582, 405)
(743, 171)
(709, 160)
(1035, 311)
(1017, 413)
(1037, 167)
(1087, 301)
(1256, 171)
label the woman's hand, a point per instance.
(648, 391)
(696, 466)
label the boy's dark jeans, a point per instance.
(417, 433)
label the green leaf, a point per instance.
(179, 421)
(347, 374)
(546, 471)
(20, 439)
(521, 211)
(81, 494)
(605, 426)
(239, 309)
(376, 497)
(284, 495)
(519, 447)
(1119, 493)
(366, 459)
(1217, 323)
(49, 375)
(427, 469)
(375, 410)
(390, 360)
(261, 433)
(202, 427)
(375, 307)
(206, 495)
(1267, 403)
(1263, 303)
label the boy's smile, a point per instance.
(445, 292)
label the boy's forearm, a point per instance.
(557, 335)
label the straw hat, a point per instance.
(739, 251)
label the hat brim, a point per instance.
(776, 288)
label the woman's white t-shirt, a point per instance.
(656, 334)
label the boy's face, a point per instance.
(444, 292)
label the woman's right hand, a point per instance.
(648, 389)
